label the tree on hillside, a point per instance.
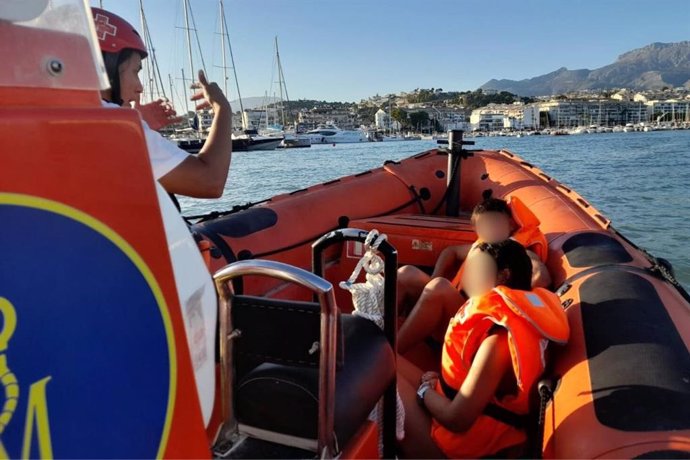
(365, 115)
(400, 116)
(475, 99)
(419, 119)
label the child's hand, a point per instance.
(429, 377)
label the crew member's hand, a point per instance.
(210, 93)
(158, 114)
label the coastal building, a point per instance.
(449, 118)
(623, 95)
(516, 116)
(571, 113)
(640, 97)
(384, 121)
(669, 110)
(487, 120)
(530, 117)
(312, 118)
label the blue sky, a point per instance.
(341, 50)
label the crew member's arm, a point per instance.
(204, 175)
(449, 261)
(491, 363)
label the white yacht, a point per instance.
(331, 134)
(250, 140)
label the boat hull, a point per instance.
(194, 146)
(339, 138)
(605, 283)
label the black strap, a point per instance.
(506, 416)
(173, 198)
(492, 410)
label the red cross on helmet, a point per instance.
(115, 34)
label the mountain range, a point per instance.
(652, 67)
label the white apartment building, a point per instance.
(573, 113)
(515, 116)
(670, 110)
(384, 121)
(312, 118)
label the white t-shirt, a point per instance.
(164, 154)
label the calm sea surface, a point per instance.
(639, 180)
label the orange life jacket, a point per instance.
(527, 234)
(532, 319)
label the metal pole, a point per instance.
(232, 61)
(222, 45)
(453, 172)
(184, 93)
(280, 82)
(189, 40)
(172, 92)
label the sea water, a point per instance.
(639, 180)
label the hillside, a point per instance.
(653, 67)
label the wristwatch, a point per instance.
(421, 391)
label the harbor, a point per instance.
(278, 122)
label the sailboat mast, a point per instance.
(172, 93)
(281, 83)
(184, 92)
(222, 46)
(189, 41)
(232, 58)
(148, 85)
(147, 63)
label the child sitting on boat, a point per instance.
(435, 298)
(493, 355)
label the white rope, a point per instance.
(368, 301)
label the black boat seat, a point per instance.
(277, 384)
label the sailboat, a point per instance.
(291, 137)
(193, 140)
(153, 86)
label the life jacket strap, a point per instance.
(496, 412)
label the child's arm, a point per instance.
(449, 261)
(491, 363)
(540, 274)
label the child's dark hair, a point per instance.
(492, 205)
(511, 255)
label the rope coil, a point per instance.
(368, 301)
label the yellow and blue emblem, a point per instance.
(87, 358)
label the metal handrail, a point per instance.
(327, 359)
(390, 317)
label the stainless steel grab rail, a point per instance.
(327, 359)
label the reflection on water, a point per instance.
(639, 180)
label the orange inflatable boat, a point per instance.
(623, 381)
(115, 340)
